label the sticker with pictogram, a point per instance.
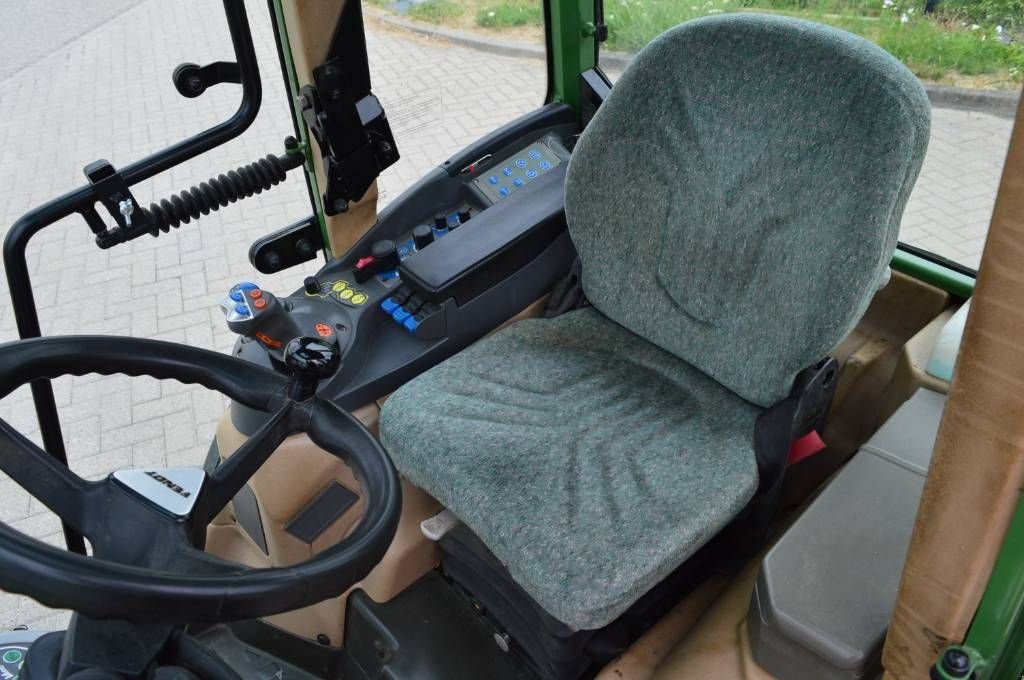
(323, 330)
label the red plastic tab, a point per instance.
(364, 261)
(805, 447)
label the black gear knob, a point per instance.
(310, 360)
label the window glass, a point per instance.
(450, 71)
(972, 44)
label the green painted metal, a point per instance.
(997, 631)
(572, 48)
(293, 90)
(933, 273)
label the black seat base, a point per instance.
(549, 647)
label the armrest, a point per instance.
(492, 246)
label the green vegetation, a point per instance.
(936, 47)
(511, 13)
(1006, 13)
(975, 43)
(436, 11)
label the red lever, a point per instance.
(364, 261)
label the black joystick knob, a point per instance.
(385, 252)
(311, 285)
(310, 360)
(422, 236)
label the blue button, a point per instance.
(400, 314)
(492, 179)
(535, 155)
(411, 324)
(545, 165)
(389, 305)
(404, 251)
(518, 181)
(520, 163)
(388, 275)
(438, 233)
(504, 191)
(237, 296)
(246, 285)
(241, 310)
(531, 173)
(507, 172)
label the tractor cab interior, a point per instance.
(547, 415)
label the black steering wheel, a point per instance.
(147, 564)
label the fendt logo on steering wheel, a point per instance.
(168, 483)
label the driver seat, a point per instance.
(735, 203)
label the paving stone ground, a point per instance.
(107, 94)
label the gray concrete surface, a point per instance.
(106, 93)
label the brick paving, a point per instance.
(97, 97)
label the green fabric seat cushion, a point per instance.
(590, 462)
(738, 196)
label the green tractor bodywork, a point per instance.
(994, 645)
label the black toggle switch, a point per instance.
(464, 216)
(441, 221)
(422, 236)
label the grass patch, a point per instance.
(1006, 13)
(436, 11)
(936, 47)
(511, 14)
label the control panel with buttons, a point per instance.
(503, 179)
(411, 312)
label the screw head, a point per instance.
(956, 662)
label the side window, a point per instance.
(450, 71)
(968, 53)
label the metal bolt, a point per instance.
(503, 641)
(323, 639)
(126, 208)
(956, 662)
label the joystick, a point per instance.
(310, 360)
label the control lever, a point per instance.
(310, 360)
(383, 257)
(256, 313)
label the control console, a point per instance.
(463, 250)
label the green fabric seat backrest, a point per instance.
(738, 196)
